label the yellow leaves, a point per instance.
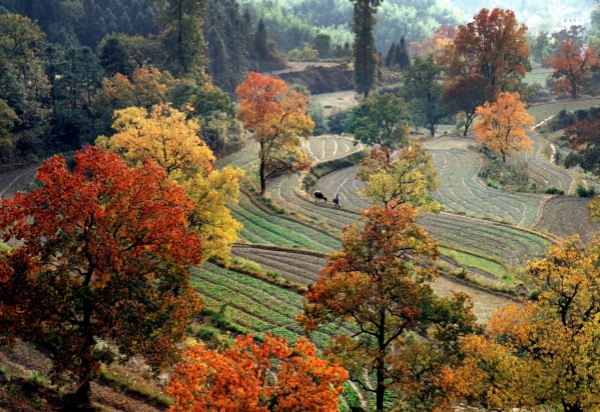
(164, 135)
(502, 126)
(168, 138)
(408, 180)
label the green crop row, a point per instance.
(541, 112)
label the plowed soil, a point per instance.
(568, 216)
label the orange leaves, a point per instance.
(256, 378)
(492, 45)
(105, 253)
(502, 127)
(278, 120)
(573, 67)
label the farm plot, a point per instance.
(282, 191)
(461, 191)
(537, 76)
(295, 266)
(318, 148)
(243, 159)
(265, 228)
(543, 111)
(545, 173)
(508, 245)
(328, 147)
(256, 306)
(504, 243)
(568, 216)
(305, 269)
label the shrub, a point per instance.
(274, 275)
(554, 191)
(207, 333)
(583, 191)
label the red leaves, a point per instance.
(573, 67)
(105, 253)
(256, 378)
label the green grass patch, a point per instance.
(480, 262)
(543, 111)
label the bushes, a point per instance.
(512, 177)
(554, 191)
(583, 191)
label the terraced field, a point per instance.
(270, 229)
(318, 148)
(545, 173)
(305, 268)
(543, 111)
(510, 245)
(255, 306)
(462, 190)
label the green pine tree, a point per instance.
(365, 55)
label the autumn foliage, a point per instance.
(407, 180)
(278, 119)
(256, 378)
(572, 67)
(492, 45)
(104, 253)
(503, 124)
(435, 44)
(168, 138)
(543, 352)
(375, 284)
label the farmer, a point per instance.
(336, 201)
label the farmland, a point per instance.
(545, 110)
(462, 191)
(545, 173)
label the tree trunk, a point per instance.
(470, 119)
(380, 390)
(263, 184)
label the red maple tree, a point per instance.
(256, 378)
(573, 67)
(104, 253)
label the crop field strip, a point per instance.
(271, 229)
(461, 190)
(302, 268)
(255, 305)
(296, 267)
(510, 245)
(545, 173)
(16, 180)
(501, 242)
(318, 148)
(543, 111)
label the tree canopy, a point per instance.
(105, 254)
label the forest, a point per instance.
(298, 205)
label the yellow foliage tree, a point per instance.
(408, 180)
(278, 120)
(502, 126)
(169, 139)
(545, 352)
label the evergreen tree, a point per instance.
(114, 57)
(323, 45)
(389, 58)
(401, 57)
(365, 58)
(181, 21)
(261, 48)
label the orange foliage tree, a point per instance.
(104, 253)
(375, 284)
(278, 119)
(543, 353)
(502, 126)
(492, 45)
(435, 44)
(573, 67)
(256, 378)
